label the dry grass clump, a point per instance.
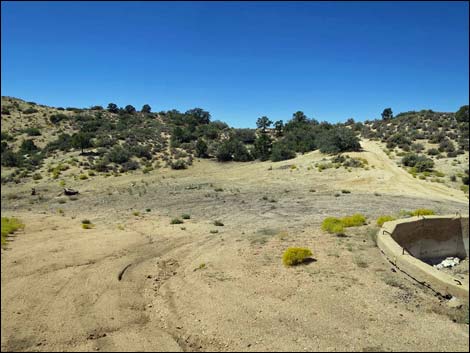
(336, 225)
(382, 219)
(355, 220)
(9, 226)
(86, 224)
(295, 256)
(422, 212)
(332, 225)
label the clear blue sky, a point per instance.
(240, 60)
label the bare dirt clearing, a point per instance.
(137, 282)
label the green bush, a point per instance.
(57, 118)
(178, 164)
(32, 131)
(422, 212)
(420, 163)
(118, 155)
(218, 223)
(30, 111)
(433, 152)
(281, 151)
(186, 216)
(355, 220)
(332, 225)
(382, 219)
(9, 226)
(337, 139)
(176, 221)
(295, 256)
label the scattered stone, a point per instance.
(448, 262)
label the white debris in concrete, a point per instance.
(449, 262)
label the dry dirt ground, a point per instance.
(139, 283)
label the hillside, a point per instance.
(51, 142)
(431, 146)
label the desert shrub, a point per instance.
(354, 220)
(433, 152)
(245, 135)
(118, 155)
(281, 151)
(398, 139)
(28, 146)
(82, 177)
(6, 137)
(201, 148)
(136, 213)
(295, 256)
(332, 225)
(176, 221)
(420, 163)
(417, 147)
(452, 154)
(446, 145)
(218, 223)
(353, 163)
(336, 140)
(422, 212)
(11, 159)
(86, 221)
(129, 165)
(232, 149)
(63, 143)
(57, 118)
(186, 216)
(141, 151)
(9, 226)
(462, 115)
(178, 164)
(382, 219)
(465, 178)
(32, 131)
(87, 225)
(37, 176)
(30, 111)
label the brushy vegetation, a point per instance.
(295, 256)
(422, 212)
(218, 223)
(382, 219)
(186, 216)
(176, 221)
(335, 225)
(355, 220)
(9, 226)
(332, 225)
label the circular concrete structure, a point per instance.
(414, 244)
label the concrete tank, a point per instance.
(417, 243)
